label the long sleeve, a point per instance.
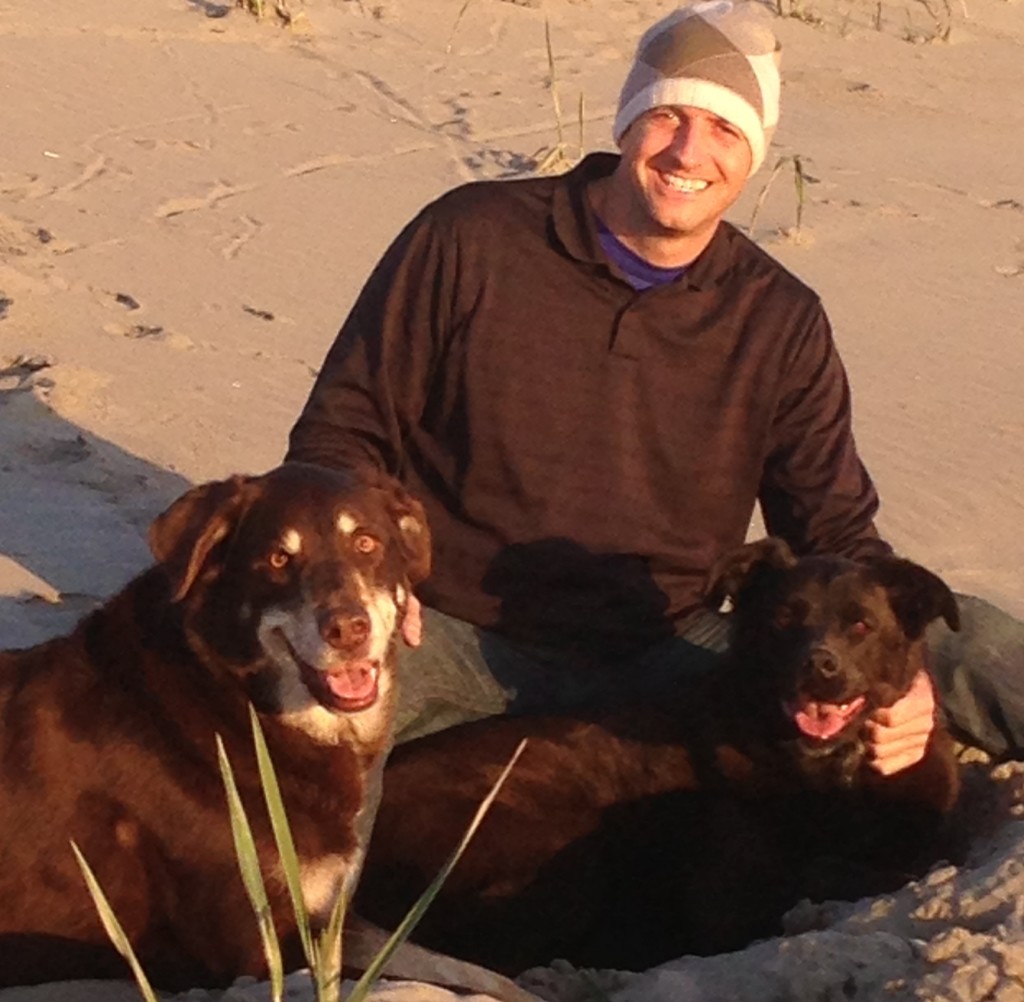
(815, 491)
(374, 380)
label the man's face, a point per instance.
(681, 168)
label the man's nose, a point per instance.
(688, 142)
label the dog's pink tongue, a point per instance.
(825, 720)
(355, 680)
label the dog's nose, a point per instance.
(824, 663)
(344, 630)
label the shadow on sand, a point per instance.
(74, 512)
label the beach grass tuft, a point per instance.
(323, 951)
(941, 14)
(800, 180)
(284, 10)
(796, 10)
(113, 928)
(556, 159)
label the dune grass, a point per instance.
(322, 949)
(113, 927)
(800, 188)
(558, 159)
(281, 9)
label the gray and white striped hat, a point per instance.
(719, 55)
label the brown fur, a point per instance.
(627, 838)
(107, 736)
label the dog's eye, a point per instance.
(784, 617)
(861, 628)
(365, 543)
(791, 613)
(279, 559)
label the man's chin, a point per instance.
(690, 227)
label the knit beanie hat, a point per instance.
(719, 55)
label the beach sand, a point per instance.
(191, 198)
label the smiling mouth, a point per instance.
(685, 185)
(821, 721)
(345, 687)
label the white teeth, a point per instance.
(684, 183)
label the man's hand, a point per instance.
(412, 622)
(898, 735)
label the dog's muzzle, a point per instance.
(823, 706)
(341, 684)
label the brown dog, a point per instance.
(284, 591)
(631, 837)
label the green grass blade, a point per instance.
(579, 118)
(249, 867)
(801, 190)
(327, 972)
(552, 84)
(113, 927)
(406, 926)
(551, 160)
(779, 164)
(451, 34)
(282, 835)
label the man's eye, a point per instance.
(663, 117)
(364, 543)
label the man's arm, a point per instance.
(374, 380)
(815, 492)
(817, 495)
(373, 383)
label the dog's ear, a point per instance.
(917, 596)
(411, 521)
(733, 570)
(183, 536)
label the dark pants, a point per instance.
(463, 673)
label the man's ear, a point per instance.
(916, 595)
(734, 569)
(183, 537)
(410, 519)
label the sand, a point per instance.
(190, 199)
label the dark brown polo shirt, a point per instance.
(585, 451)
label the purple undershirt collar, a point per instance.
(639, 273)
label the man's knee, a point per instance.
(444, 681)
(979, 674)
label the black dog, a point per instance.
(635, 836)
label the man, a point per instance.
(590, 381)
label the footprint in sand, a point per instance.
(220, 191)
(117, 299)
(19, 373)
(151, 334)
(141, 331)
